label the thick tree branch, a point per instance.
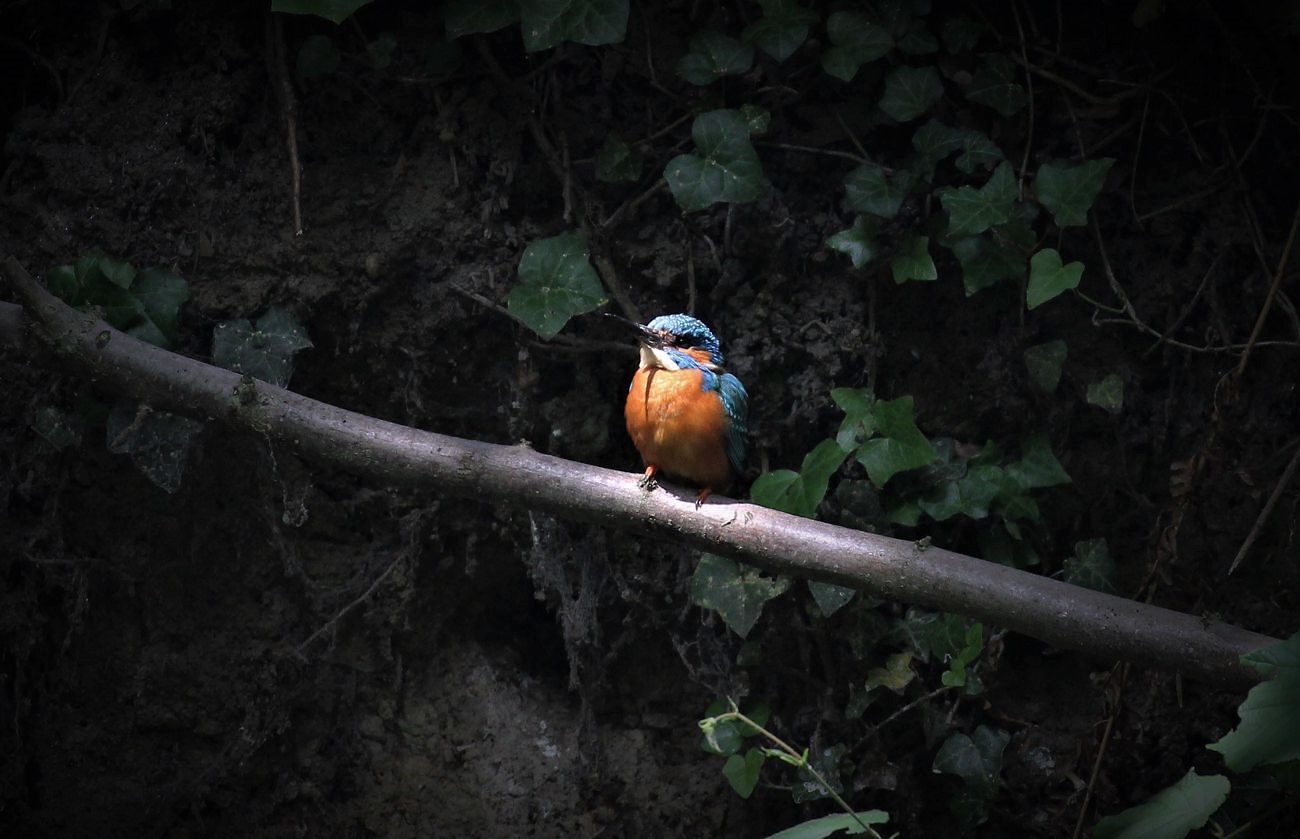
(1061, 614)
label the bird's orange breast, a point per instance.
(677, 426)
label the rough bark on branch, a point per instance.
(1058, 613)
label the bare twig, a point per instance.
(1272, 291)
(279, 71)
(1282, 484)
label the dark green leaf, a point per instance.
(120, 274)
(855, 41)
(56, 426)
(1269, 732)
(859, 423)
(972, 211)
(1044, 362)
(782, 28)
(742, 772)
(934, 141)
(1091, 566)
(913, 262)
(977, 760)
(850, 824)
(161, 293)
(830, 598)
(265, 350)
(736, 592)
(900, 445)
(332, 10)
(713, 55)
(978, 152)
(1069, 190)
(910, 92)
(1048, 278)
(1107, 394)
(995, 85)
(556, 283)
(800, 493)
(857, 242)
(545, 23)
(157, 442)
(1171, 813)
(468, 17)
(726, 169)
(984, 263)
(870, 189)
(1038, 467)
(616, 161)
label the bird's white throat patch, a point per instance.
(654, 357)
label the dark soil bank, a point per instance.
(278, 649)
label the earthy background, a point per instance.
(279, 650)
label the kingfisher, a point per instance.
(685, 413)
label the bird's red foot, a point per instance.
(648, 481)
(704, 493)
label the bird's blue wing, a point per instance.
(736, 403)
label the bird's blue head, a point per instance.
(681, 336)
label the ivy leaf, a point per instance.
(616, 161)
(830, 598)
(850, 824)
(857, 242)
(161, 293)
(120, 274)
(984, 263)
(1044, 363)
(900, 446)
(158, 442)
(1069, 190)
(913, 262)
(1171, 813)
(556, 283)
(855, 41)
(910, 92)
(782, 28)
(713, 55)
(742, 772)
(1037, 468)
(546, 23)
(736, 592)
(978, 151)
(264, 350)
(726, 169)
(1048, 278)
(1091, 566)
(858, 423)
(870, 189)
(336, 11)
(1107, 394)
(972, 211)
(1268, 733)
(799, 493)
(994, 85)
(976, 760)
(896, 675)
(934, 141)
(469, 17)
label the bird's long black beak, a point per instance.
(648, 336)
